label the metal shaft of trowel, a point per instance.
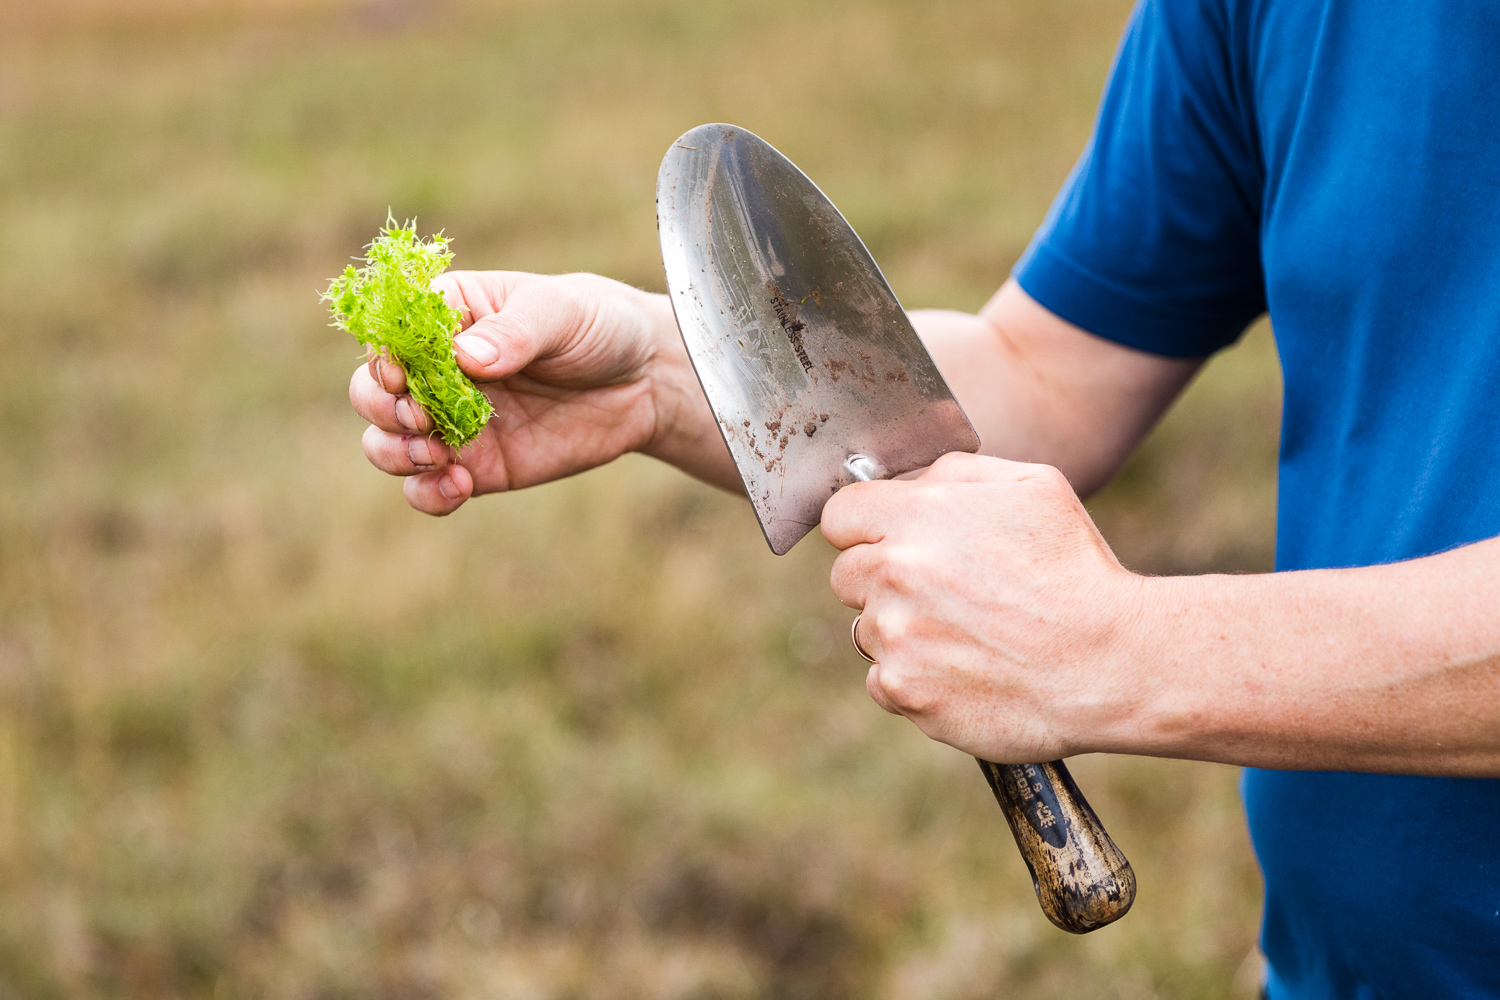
(864, 468)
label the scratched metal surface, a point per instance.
(799, 342)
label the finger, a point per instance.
(397, 414)
(386, 373)
(876, 689)
(455, 286)
(858, 513)
(862, 634)
(412, 416)
(477, 294)
(404, 454)
(533, 322)
(897, 684)
(851, 575)
(439, 493)
(958, 466)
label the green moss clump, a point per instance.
(389, 305)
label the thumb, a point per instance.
(961, 467)
(513, 322)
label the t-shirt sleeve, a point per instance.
(1154, 241)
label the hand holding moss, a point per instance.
(579, 370)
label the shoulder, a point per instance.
(1154, 240)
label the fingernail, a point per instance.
(448, 488)
(406, 416)
(419, 451)
(479, 349)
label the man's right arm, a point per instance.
(582, 369)
(1039, 389)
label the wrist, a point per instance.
(1154, 708)
(684, 432)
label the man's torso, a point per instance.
(1348, 151)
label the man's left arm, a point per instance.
(1003, 625)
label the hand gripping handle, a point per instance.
(1081, 879)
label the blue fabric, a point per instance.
(1335, 163)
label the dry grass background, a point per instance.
(264, 732)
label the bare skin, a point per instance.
(1002, 622)
(1003, 625)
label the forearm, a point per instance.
(1389, 668)
(1039, 389)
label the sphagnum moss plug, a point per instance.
(389, 306)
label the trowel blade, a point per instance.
(802, 349)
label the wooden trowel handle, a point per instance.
(1082, 880)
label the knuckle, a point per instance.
(903, 689)
(905, 568)
(950, 460)
(449, 283)
(927, 496)
(1052, 477)
(877, 694)
(894, 628)
(570, 297)
(582, 284)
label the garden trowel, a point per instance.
(818, 380)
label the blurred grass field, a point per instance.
(265, 732)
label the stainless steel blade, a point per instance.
(805, 355)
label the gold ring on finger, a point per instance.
(854, 636)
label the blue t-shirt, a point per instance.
(1336, 163)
